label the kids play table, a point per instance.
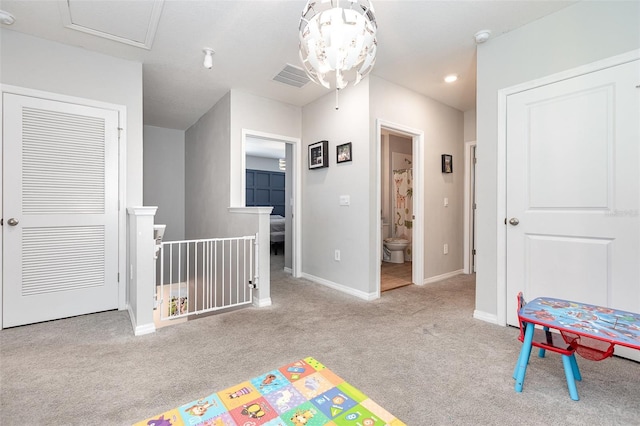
(592, 330)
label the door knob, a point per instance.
(12, 222)
(514, 221)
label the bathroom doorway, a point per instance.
(400, 206)
(397, 210)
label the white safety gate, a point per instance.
(199, 276)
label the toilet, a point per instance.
(396, 247)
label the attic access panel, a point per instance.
(129, 22)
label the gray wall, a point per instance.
(250, 112)
(213, 158)
(288, 210)
(470, 125)
(577, 35)
(208, 178)
(443, 134)
(163, 177)
(327, 226)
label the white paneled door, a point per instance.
(573, 189)
(60, 210)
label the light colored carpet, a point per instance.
(417, 351)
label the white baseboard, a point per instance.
(344, 289)
(139, 330)
(144, 329)
(484, 316)
(261, 303)
(437, 278)
(288, 270)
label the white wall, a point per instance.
(40, 64)
(327, 226)
(443, 134)
(577, 35)
(163, 177)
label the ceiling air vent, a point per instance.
(293, 76)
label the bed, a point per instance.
(277, 232)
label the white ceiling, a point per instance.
(419, 42)
(268, 148)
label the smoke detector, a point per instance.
(482, 36)
(6, 18)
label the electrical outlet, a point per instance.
(446, 249)
(337, 255)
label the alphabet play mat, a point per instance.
(303, 393)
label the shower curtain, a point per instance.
(402, 206)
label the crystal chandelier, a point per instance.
(338, 41)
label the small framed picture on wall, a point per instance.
(343, 153)
(319, 155)
(447, 163)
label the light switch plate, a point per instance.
(345, 200)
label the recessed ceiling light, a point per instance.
(6, 18)
(451, 78)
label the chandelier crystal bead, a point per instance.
(338, 41)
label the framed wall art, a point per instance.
(447, 163)
(319, 155)
(343, 153)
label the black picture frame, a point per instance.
(319, 155)
(344, 153)
(447, 163)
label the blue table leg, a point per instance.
(574, 366)
(568, 372)
(523, 359)
(541, 352)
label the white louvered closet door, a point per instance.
(60, 186)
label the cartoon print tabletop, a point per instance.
(597, 322)
(302, 393)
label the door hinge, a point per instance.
(475, 206)
(474, 251)
(1, 222)
(118, 276)
(120, 129)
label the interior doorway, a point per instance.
(390, 201)
(271, 175)
(470, 207)
(397, 210)
(66, 247)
